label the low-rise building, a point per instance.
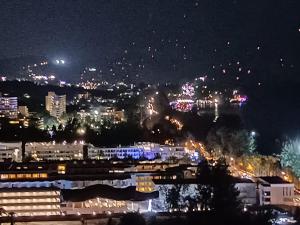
(10, 151)
(30, 201)
(118, 152)
(45, 151)
(138, 151)
(275, 191)
(189, 189)
(116, 185)
(105, 199)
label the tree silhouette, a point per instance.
(216, 188)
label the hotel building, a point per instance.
(30, 201)
(45, 151)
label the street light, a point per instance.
(81, 131)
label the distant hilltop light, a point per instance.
(92, 69)
(60, 61)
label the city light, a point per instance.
(60, 61)
(174, 112)
(81, 131)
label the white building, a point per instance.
(10, 151)
(55, 104)
(9, 107)
(44, 151)
(105, 205)
(275, 191)
(95, 206)
(30, 201)
(66, 184)
(247, 191)
(139, 150)
(119, 152)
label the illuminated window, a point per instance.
(61, 169)
(4, 176)
(12, 176)
(43, 175)
(20, 176)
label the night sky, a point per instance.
(161, 39)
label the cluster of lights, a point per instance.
(89, 85)
(35, 65)
(188, 90)
(239, 99)
(182, 105)
(92, 69)
(60, 61)
(40, 77)
(201, 78)
(150, 107)
(43, 63)
(176, 122)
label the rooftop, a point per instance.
(195, 181)
(273, 180)
(105, 191)
(24, 189)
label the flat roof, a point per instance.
(274, 180)
(24, 189)
(196, 181)
(106, 191)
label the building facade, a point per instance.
(55, 104)
(10, 151)
(139, 150)
(275, 191)
(47, 151)
(9, 107)
(23, 110)
(30, 201)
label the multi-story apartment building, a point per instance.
(9, 107)
(55, 104)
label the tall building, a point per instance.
(56, 104)
(9, 107)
